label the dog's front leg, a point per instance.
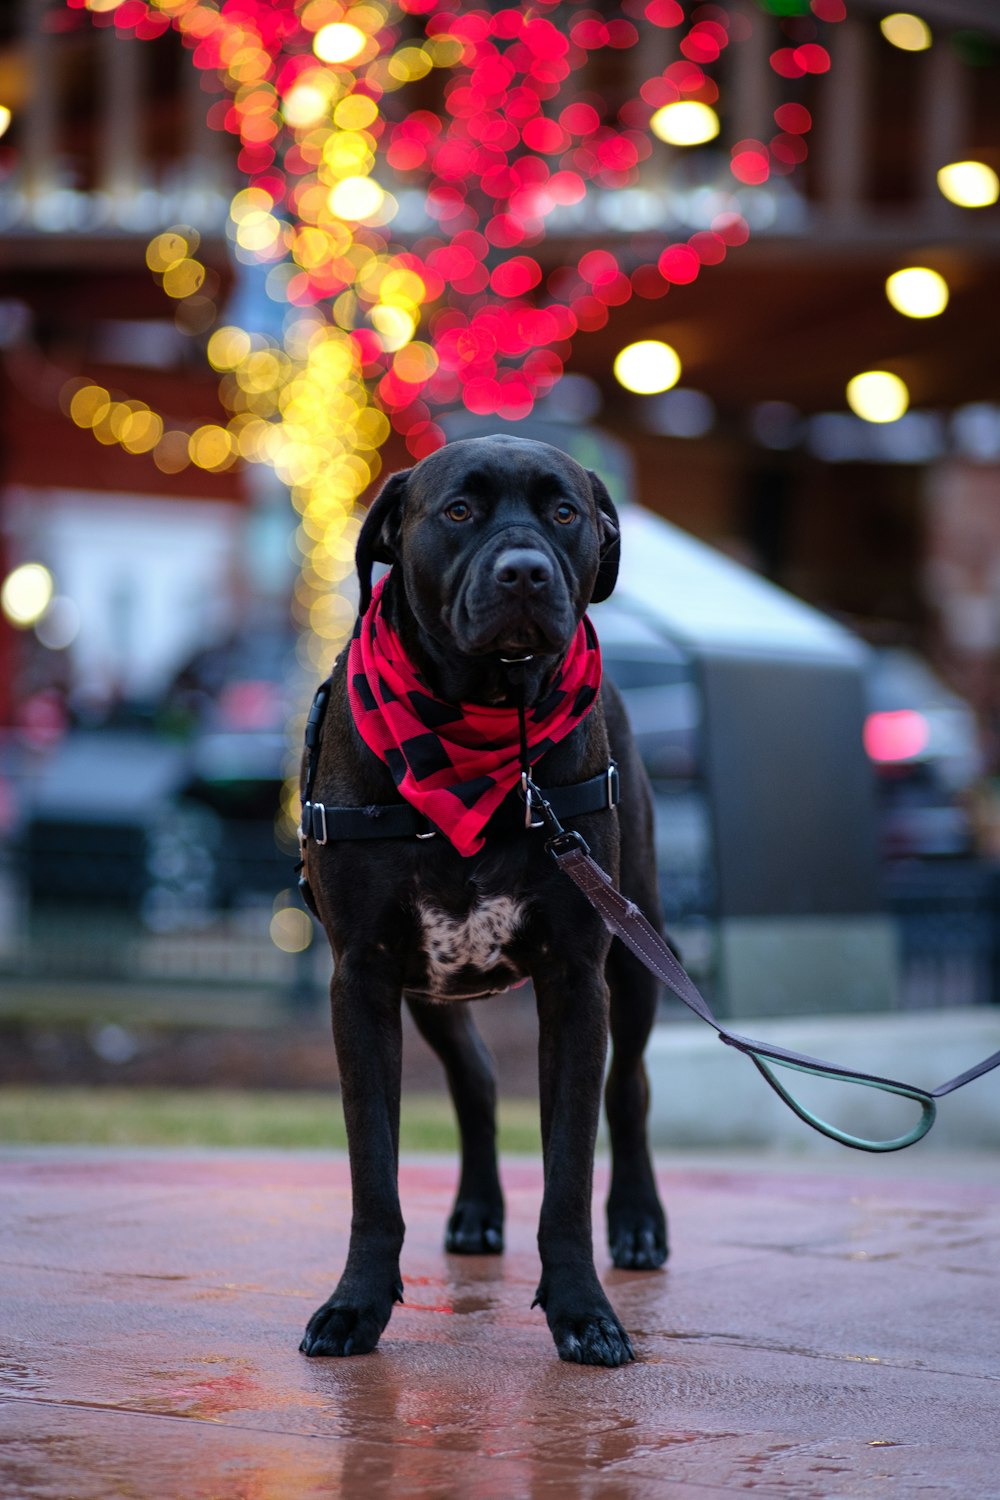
(368, 1036)
(573, 1037)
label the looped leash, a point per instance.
(624, 919)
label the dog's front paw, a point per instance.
(475, 1228)
(638, 1239)
(344, 1326)
(592, 1340)
(587, 1334)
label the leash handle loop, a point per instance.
(928, 1109)
(627, 922)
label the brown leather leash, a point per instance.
(624, 919)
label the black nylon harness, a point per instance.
(324, 823)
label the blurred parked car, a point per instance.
(172, 818)
(237, 700)
(923, 741)
(234, 701)
(104, 830)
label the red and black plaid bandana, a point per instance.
(456, 762)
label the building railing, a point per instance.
(947, 918)
(106, 179)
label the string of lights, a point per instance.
(342, 149)
(403, 160)
(395, 217)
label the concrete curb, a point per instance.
(707, 1095)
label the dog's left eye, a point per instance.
(565, 514)
(458, 511)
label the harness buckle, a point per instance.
(614, 786)
(529, 820)
(431, 834)
(317, 810)
(565, 841)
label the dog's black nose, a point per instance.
(523, 570)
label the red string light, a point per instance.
(515, 142)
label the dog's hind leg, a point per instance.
(475, 1226)
(637, 1226)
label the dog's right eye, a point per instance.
(458, 511)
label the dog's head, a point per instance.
(501, 542)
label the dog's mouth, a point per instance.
(526, 638)
(490, 626)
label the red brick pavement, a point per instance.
(817, 1335)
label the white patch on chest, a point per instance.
(478, 939)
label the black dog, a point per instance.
(498, 546)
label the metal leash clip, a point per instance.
(560, 840)
(528, 792)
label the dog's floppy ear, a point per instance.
(378, 539)
(611, 544)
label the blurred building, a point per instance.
(114, 140)
(108, 144)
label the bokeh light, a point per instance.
(291, 929)
(908, 32)
(356, 198)
(917, 292)
(88, 405)
(141, 430)
(305, 104)
(228, 347)
(59, 626)
(171, 453)
(970, 184)
(338, 42)
(26, 594)
(5, 119)
(394, 324)
(166, 249)
(686, 122)
(647, 367)
(183, 278)
(211, 447)
(877, 396)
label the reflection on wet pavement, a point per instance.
(815, 1336)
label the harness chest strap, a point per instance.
(324, 823)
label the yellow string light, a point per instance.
(301, 406)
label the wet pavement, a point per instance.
(820, 1332)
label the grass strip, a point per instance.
(230, 1117)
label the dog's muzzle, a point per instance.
(523, 573)
(515, 597)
